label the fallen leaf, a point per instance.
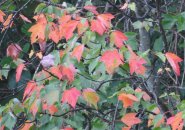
(130, 119)
(127, 99)
(71, 96)
(173, 59)
(112, 59)
(19, 70)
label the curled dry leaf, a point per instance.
(13, 51)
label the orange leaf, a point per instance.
(2, 14)
(55, 70)
(19, 71)
(176, 121)
(174, 60)
(71, 96)
(8, 23)
(112, 59)
(126, 128)
(96, 26)
(118, 38)
(105, 19)
(91, 8)
(91, 96)
(136, 63)
(127, 99)
(68, 128)
(77, 52)
(38, 30)
(25, 18)
(13, 51)
(54, 33)
(27, 126)
(130, 119)
(52, 109)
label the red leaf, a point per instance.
(102, 23)
(91, 8)
(127, 99)
(52, 109)
(55, 70)
(68, 73)
(77, 52)
(118, 38)
(8, 23)
(176, 121)
(64, 19)
(25, 18)
(71, 96)
(126, 128)
(136, 63)
(174, 60)
(130, 119)
(31, 85)
(19, 71)
(2, 14)
(112, 59)
(68, 128)
(13, 51)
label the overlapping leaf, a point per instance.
(127, 99)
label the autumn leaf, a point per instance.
(38, 30)
(130, 119)
(68, 73)
(13, 51)
(25, 18)
(19, 71)
(112, 59)
(176, 121)
(136, 63)
(34, 107)
(8, 23)
(102, 23)
(126, 128)
(117, 37)
(77, 52)
(64, 19)
(30, 87)
(127, 99)
(145, 96)
(67, 128)
(52, 109)
(54, 32)
(55, 70)
(2, 14)
(26, 126)
(91, 8)
(91, 96)
(173, 59)
(71, 96)
(82, 27)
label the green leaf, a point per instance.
(161, 56)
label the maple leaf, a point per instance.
(53, 33)
(91, 8)
(136, 63)
(30, 87)
(38, 30)
(68, 73)
(77, 52)
(2, 14)
(64, 19)
(118, 38)
(174, 60)
(130, 119)
(13, 51)
(71, 96)
(8, 23)
(52, 109)
(55, 70)
(127, 99)
(102, 23)
(67, 29)
(82, 27)
(112, 59)
(19, 71)
(176, 121)
(24, 18)
(91, 96)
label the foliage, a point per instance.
(68, 65)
